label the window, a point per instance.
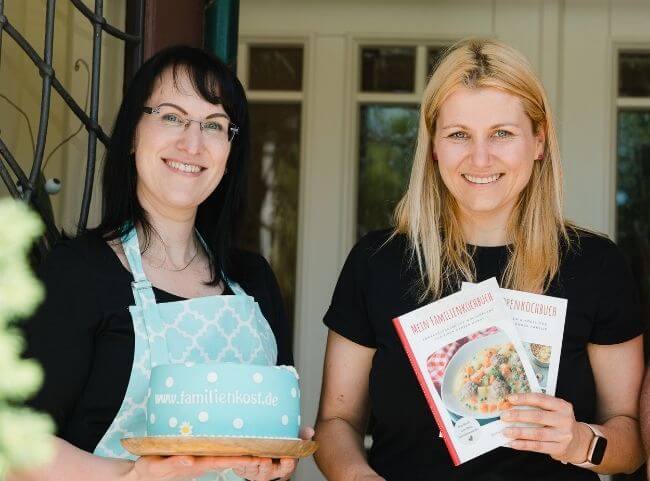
(274, 81)
(633, 167)
(388, 69)
(391, 80)
(275, 68)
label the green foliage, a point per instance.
(24, 435)
(387, 143)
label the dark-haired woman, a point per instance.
(172, 189)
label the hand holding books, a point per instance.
(556, 431)
(467, 352)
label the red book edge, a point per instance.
(423, 385)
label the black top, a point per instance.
(83, 334)
(375, 286)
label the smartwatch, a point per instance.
(597, 448)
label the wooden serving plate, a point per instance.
(219, 446)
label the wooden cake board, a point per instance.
(219, 446)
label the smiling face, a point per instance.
(178, 167)
(485, 148)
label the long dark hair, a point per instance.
(218, 215)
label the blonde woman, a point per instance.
(484, 199)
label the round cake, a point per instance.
(224, 399)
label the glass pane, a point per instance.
(433, 55)
(275, 68)
(387, 69)
(386, 145)
(634, 74)
(633, 198)
(271, 221)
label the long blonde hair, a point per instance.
(428, 212)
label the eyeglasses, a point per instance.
(219, 128)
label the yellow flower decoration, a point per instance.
(186, 429)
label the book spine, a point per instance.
(423, 385)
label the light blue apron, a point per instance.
(226, 328)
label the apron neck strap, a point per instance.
(145, 300)
(131, 247)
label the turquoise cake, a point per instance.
(224, 400)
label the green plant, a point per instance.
(24, 434)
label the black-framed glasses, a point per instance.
(218, 128)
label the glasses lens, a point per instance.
(171, 117)
(216, 128)
(219, 128)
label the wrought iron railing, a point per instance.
(31, 187)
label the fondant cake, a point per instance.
(223, 399)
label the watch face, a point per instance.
(598, 453)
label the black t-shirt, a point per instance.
(83, 336)
(376, 285)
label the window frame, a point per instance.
(301, 98)
(621, 103)
(358, 99)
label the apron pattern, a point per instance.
(205, 329)
(133, 412)
(197, 332)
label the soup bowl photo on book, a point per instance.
(480, 376)
(539, 353)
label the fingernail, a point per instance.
(507, 432)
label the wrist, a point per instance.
(583, 442)
(596, 449)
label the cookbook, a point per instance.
(539, 321)
(468, 357)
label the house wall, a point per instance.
(21, 83)
(571, 43)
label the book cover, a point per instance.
(539, 321)
(467, 357)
